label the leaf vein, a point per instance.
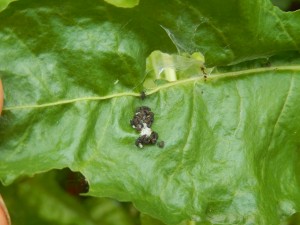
(212, 77)
(285, 30)
(282, 110)
(240, 110)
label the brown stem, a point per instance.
(4, 216)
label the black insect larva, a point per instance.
(204, 72)
(153, 137)
(142, 122)
(143, 95)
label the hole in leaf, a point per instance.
(73, 183)
(294, 219)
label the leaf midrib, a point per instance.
(211, 77)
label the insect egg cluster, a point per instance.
(142, 122)
(143, 117)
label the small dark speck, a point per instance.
(161, 144)
(143, 95)
(266, 64)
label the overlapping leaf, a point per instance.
(4, 3)
(43, 200)
(72, 72)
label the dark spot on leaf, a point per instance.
(74, 183)
(143, 95)
(161, 144)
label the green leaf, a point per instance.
(173, 67)
(72, 72)
(147, 220)
(284, 5)
(227, 32)
(109, 212)
(4, 4)
(124, 3)
(42, 200)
